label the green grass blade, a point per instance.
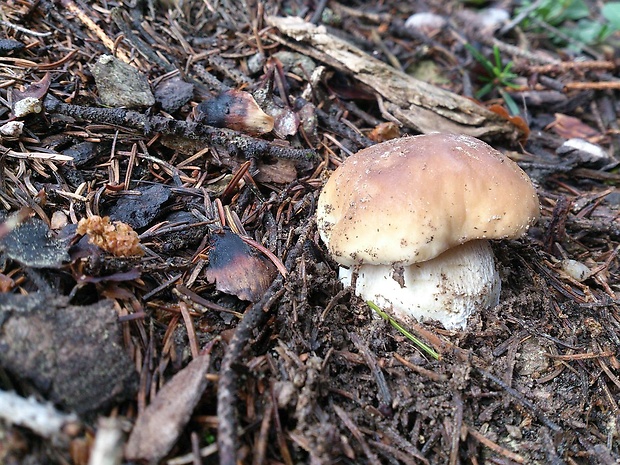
(513, 108)
(421, 345)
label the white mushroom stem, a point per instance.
(448, 288)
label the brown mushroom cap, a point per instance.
(408, 200)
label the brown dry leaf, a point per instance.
(384, 131)
(236, 269)
(36, 90)
(518, 121)
(160, 424)
(277, 171)
(117, 238)
(570, 127)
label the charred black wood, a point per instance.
(234, 142)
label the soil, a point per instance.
(211, 251)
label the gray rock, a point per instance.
(121, 85)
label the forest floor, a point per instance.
(204, 321)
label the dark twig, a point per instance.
(497, 449)
(455, 439)
(384, 392)
(342, 129)
(137, 42)
(393, 452)
(521, 400)
(318, 13)
(227, 387)
(355, 431)
(233, 141)
(557, 227)
(396, 438)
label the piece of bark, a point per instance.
(32, 244)
(41, 418)
(417, 104)
(160, 424)
(71, 354)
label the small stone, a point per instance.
(32, 244)
(426, 23)
(296, 63)
(533, 358)
(256, 63)
(139, 211)
(59, 220)
(121, 85)
(173, 93)
(12, 129)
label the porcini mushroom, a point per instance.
(413, 216)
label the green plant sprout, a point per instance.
(421, 345)
(498, 76)
(582, 28)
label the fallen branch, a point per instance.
(416, 104)
(234, 142)
(227, 387)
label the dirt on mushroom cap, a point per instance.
(410, 199)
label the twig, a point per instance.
(343, 130)
(284, 452)
(393, 452)
(566, 66)
(139, 44)
(191, 331)
(437, 377)
(492, 446)
(43, 419)
(318, 13)
(234, 141)
(196, 448)
(396, 439)
(228, 69)
(34, 155)
(260, 449)
(23, 30)
(524, 13)
(518, 52)
(369, 357)
(611, 85)
(558, 33)
(456, 429)
(348, 422)
(85, 18)
(209, 79)
(189, 458)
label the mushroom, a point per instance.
(413, 216)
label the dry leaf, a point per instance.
(570, 127)
(160, 424)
